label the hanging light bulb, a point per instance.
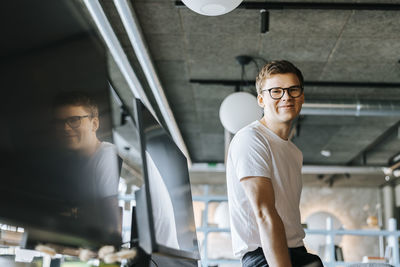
(234, 118)
(212, 7)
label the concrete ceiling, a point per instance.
(327, 45)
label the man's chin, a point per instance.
(72, 147)
(288, 117)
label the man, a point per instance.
(76, 119)
(264, 176)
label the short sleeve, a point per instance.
(250, 155)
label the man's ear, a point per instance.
(260, 100)
(95, 124)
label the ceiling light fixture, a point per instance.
(387, 170)
(326, 153)
(232, 117)
(212, 7)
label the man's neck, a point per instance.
(280, 129)
(91, 149)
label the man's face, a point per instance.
(282, 110)
(76, 129)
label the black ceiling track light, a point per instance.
(307, 83)
(264, 8)
(308, 5)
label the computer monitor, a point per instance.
(164, 208)
(47, 186)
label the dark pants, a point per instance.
(298, 256)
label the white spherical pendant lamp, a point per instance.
(239, 109)
(212, 7)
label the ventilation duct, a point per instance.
(351, 108)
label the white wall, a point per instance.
(347, 204)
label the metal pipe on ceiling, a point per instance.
(351, 108)
(135, 35)
(307, 169)
(117, 52)
(332, 107)
(317, 169)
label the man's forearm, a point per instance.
(273, 240)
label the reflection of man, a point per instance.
(264, 176)
(163, 209)
(76, 119)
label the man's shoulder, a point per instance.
(249, 138)
(106, 150)
(107, 147)
(250, 131)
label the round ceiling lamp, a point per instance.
(237, 110)
(212, 7)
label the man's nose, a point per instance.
(67, 127)
(286, 95)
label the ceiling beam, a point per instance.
(117, 52)
(375, 143)
(306, 83)
(131, 25)
(308, 5)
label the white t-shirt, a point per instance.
(105, 169)
(257, 151)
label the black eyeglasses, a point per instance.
(73, 121)
(278, 92)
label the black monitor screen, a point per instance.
(59, 169)
(167, 185)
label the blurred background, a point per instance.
(183, 66)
